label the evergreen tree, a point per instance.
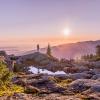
(91, 56)
(98, 50)
(38, 47)
(49, 50)
(83, 57)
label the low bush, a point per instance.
(6, 86)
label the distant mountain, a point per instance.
(72, 50)
(10, 50)
(14, 50)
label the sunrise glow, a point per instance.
(66, 31)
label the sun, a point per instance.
(66, 31)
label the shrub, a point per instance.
(18, 68)
(5, 75)
(97, 59)
(6, 86)
(10, 90)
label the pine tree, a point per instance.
(49, 50)
(91, 56)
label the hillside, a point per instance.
(72, 50)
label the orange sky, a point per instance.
(31, 42)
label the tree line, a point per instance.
(95, 56)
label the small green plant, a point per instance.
(31, 90)
(61, 83)
(64, 83)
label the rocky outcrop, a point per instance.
(43, 61)
(60, 87)
(39, 83)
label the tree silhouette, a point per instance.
(38, 47)
(49, 50)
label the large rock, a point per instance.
(97, 76)
(78, 86)
(75, 69)
(96, 64)
(80, 76)
(95, 71)
(95, 88)
(81, 85)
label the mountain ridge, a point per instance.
(71, 50)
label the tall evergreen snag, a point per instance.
(38, 47)
(49, 50)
